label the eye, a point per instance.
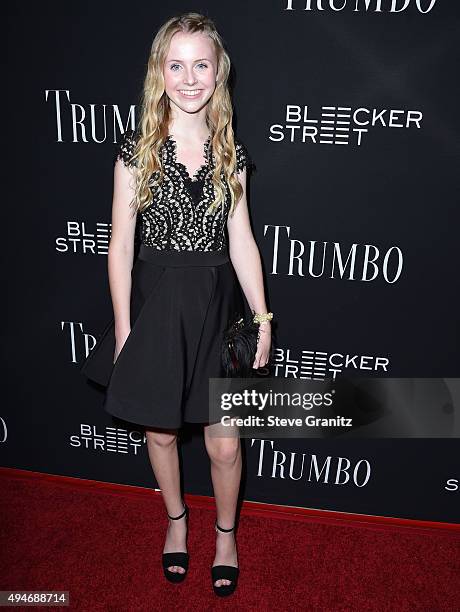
(202, 64)
(172, 67)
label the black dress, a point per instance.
(184, 293)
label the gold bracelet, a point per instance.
(260, 318)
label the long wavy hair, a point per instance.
(155, 116)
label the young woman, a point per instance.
(184, 173)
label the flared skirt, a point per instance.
(180, 305)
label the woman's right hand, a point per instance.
(120, 340)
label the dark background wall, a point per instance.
(389, 181)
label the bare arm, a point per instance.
(245, 257)
(244, 252)
(121, 250)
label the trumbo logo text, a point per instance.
(370, 6)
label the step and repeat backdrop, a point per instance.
(349, 110)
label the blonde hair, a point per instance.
(155, 116)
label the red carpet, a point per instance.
(103, 544)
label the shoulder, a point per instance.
(125, 148)
(243, 158)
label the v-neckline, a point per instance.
(195, 177)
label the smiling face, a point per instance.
(190, 71)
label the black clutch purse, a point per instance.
(239, 348)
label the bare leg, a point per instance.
(162, 449)
(225, 456)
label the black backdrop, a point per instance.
(390, 78)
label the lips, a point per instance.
(190, 93)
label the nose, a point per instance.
(189, 78)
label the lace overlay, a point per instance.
(176, 219)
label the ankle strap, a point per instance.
(225, 530)
(175, 518)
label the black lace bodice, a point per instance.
(176, 219)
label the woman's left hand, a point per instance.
(263, 346)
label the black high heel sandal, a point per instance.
(176, 558)
(225, 572)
